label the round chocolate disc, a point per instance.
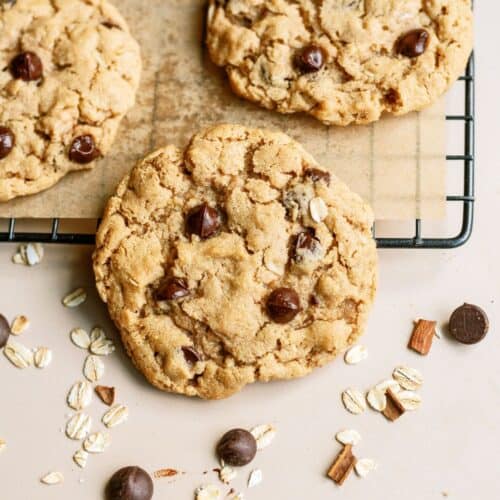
(237, 447)
(468, 324)
(130, 483)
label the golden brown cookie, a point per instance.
(69, 71)
(342, 61)
(237, 260)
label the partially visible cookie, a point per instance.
(69, 71)
(342, 61)
(237, 260)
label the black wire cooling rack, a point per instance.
(55, 233)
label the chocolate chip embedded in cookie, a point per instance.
(341, 61)
(7, 141)
(219, 270)
(27, 66)
(67, 84)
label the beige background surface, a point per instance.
(396, 164)
(449, 445)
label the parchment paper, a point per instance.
(397, 164)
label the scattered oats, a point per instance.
(410, 400)
(208, 492)
(255, 478)
(318, 209)
(3, 445)
(80, 395)
(78, 426)
(115, 416)
(364, 466)
(19, 325)
(227, 474)
(107, 394)
(80, 338)
(93, 368)
(237, 496)
(376, 399)
(356, 354)
(348, 436)
(102, 347)
(97, 442)
(33, 254)
(97, 333)
(18, 354)
(42, 357)
(264, 435)
(75, 298)
(52, 478)
(80, 458)
(354, 401)
(389, 383)
(408, 378)
(17, 258)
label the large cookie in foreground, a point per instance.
(69, 71)
(342, 61)
(237, 260)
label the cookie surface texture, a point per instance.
(237, 260)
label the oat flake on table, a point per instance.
(102, 347)
(79, 395)
(80, 458)
(80, 338)
(207, 492)
(78, 426)
(75, 298)
(97, 442)
(42, 357)
(255, 478)
(93, 368)
(348, 436)
(227, 474)
(356, 354)
(410, 400)
(19, 324)
(364, 466)
(354, 401)
(376, 399)
(115, 416)
(408, 378)
(52, 478)
(18, 354)
(264, 435)
(3, 445)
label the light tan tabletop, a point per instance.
(447, 447)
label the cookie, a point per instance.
(69, 71)
(341, 61)
(237, 260)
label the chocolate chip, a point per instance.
(172, 289)
(306, 243)
(469, 324)
(237, 447)
(130, 483)
(283, 305)
(83, 149)
(110, 25)
(413, 44)
(4, 331)
(27, 66)
(315, 174)
(203, 221)
(191, 356)
(7, 141)
(310, 59)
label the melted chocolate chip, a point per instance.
(27, 66)
(130, 483)
(413, 44)
(315, 174)
(172, 289)
(237, 447)
(310, 59)
(306, 243)
(190, 354)
(7, 141)
(203, 221)
(4, 331)
(469, 324)
(83, 149)
(283, 305)
(110, 25)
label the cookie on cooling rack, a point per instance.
(342, 61)
(69, 73)
(237, 260)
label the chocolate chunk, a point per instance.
(27, 66)
(306, 244)
(469, 324)
(394, 408)
(422, 336)
(7, 141)
(310, 59)
(172, 289)
(283, 305)
(203, 221)
(342, 466)
(190, 354)
(315, 174)
(237, 447)
(110, 25)
(83, 149)
(130, 483)
(413, 44)
(4, 331)
(106, 394)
